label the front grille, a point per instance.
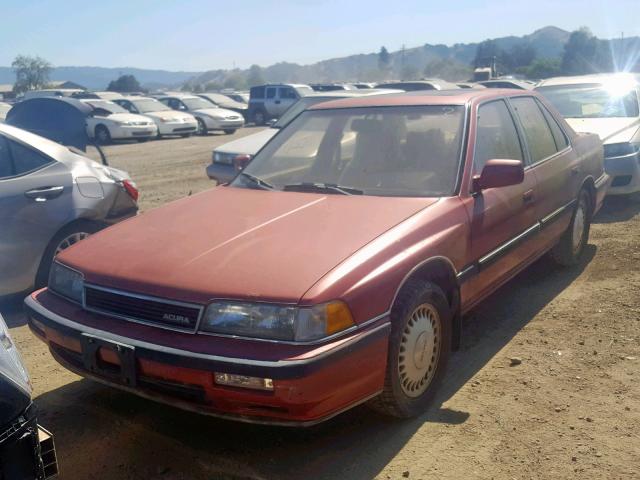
(184, 129)
(142, 308)
(140, 134)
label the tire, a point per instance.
(102, 135)
(259, 117)
(421, 323)
(66, 237)
(230, 131)
(142, 140)
(202, 127)
(570, 247)
(185, 135)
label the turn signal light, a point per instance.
(243, 381)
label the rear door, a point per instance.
(272, 102)
(288, 97)
(35, 202)
(554, 163)
(502, 219)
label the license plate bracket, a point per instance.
(125, 373)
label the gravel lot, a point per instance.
(570, 409)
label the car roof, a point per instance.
(180, 97)
(460, 96)
(353, 93)
(133, 99)
(592, 78)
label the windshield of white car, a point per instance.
(108, 106)
(196, 103)
(149, 105)
(410, 151)
(592, 100)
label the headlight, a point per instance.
(277, 322)
(620, 149)
(11, 365)
(119, 122)
(66, 282)
(223, 157)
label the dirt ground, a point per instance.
(570, 409)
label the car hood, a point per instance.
(217, 112)
(127, 117)
(167, 114)
(610, 130)
(250, 144)
(237, 243)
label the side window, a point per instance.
(271, 92)
(287, 93)
(536, 129)
(181, 106)
(257, 92)
(496, 135)
(6, 167)
(25, 159)
(558, 135)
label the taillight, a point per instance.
(131, 189)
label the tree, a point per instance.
(235, 81)
(31, 73)
(409, 72)
(255, 77)
(543, 68)
(522, 55)
(126, 83)
(213, 86)
(579, 53)
(384, 59)
(486, 52)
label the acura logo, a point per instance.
(171, 317)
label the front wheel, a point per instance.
(202, 127)
(571, 245)
(230, 131)
(102, 134)
(419, 349)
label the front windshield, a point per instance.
(386, 151)
(294, 110)
(196, 103)
(149, 105)
(592, 100)
(108, 106)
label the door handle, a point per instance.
(45, 193)
(528, 197)
(575, 170)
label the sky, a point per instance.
(209, 34)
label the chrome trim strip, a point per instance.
(494, 255)
(70, 324)
(556, 213)
(174, 328)
(466, 273)
(602, 179)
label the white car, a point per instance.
(109, 121)
(4, 109)
(168, 121)
(208, 117)
(606, 104)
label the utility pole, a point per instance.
(402, 64)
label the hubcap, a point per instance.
(71, 240)
(578, 228)
(202, 129)
(103, 135)
(419, 350)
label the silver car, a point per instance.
(51, 198)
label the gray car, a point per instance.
(51, 198)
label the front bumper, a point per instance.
(177, 128)
(310, 383)
(27, 450)
(625, 173)
(133, 131)
(223, 124)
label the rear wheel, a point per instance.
(570, 248)
(185, 135)
(419, 349)
(230, 131)
(65, 238)
(103, 137)
(259, 117)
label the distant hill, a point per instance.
(548, 42)
(97, 78)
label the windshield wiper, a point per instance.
(322, 187)
(257, 181)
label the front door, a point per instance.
(503, 218)
(35, 202)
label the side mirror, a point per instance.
(499, 173)
(241, 161)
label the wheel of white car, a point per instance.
(419, 349)
(202, 127)
(102, 134)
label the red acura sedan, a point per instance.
(335, 268)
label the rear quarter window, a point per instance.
(257, 92)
